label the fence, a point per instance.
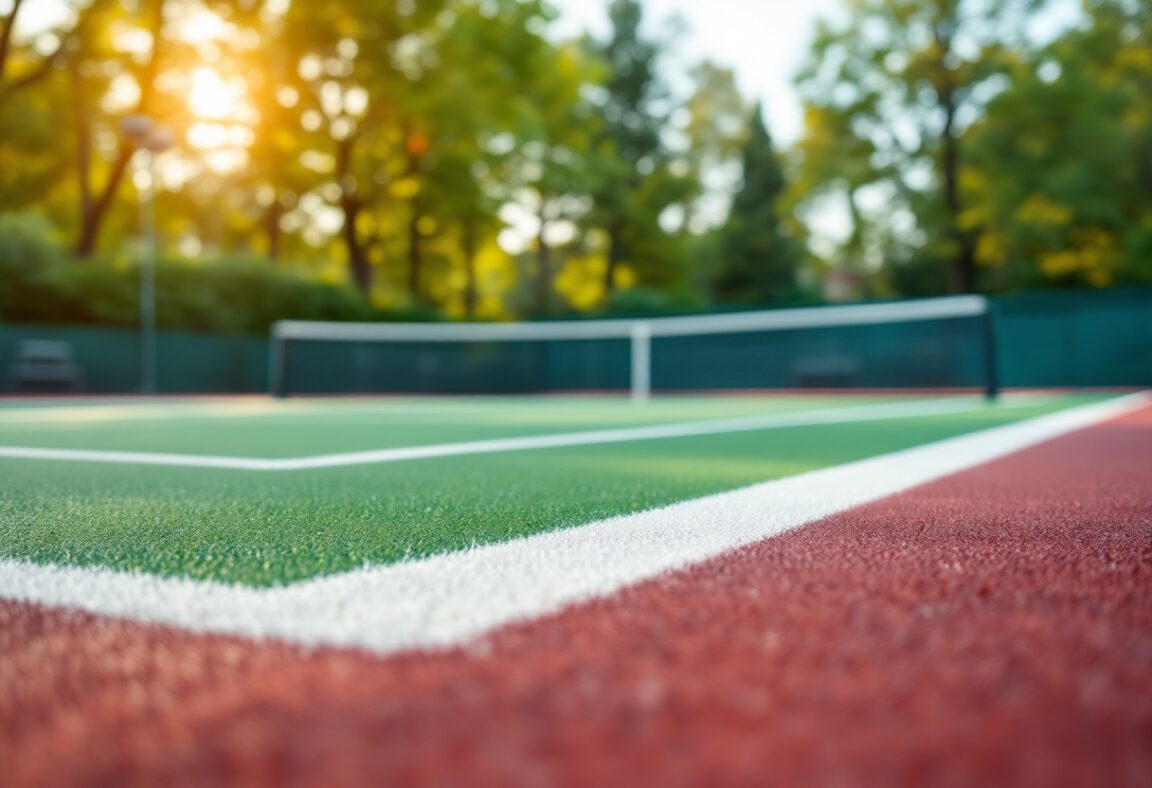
(1051, 339)
(1076, 338)
(190, 363)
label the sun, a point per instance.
(211, 97)
(200, 26)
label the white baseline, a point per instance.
(450, 599)
(842, 415)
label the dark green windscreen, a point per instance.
(945, 353)
(1053, 339)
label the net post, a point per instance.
(641, 363)
(277, 364)
(991, 352)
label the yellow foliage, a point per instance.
(405, 188)
(1135, 57)
(382, 299)
(332, 273)
(581, 281)
(971, 219)
(624, 277)
(990, 250)
(1040, 210)
(973, 180)
(495, 278)
(1093, 254)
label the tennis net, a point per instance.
(945, 343)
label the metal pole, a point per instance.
(148, 283)
(277, 364)
(991, 354)
(641, 363)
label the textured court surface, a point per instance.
(264, 529)
(992, 626)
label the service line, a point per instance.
(452, 598)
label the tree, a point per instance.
(357, 71)
(517, 81)
(758, 259)
(97, 199)
(898, 87)
(715, 128)
(24, 64)
(634, 112)
(151, 78)
(1059, 182)
(552, 171)
(715, 131)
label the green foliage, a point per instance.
(190, 295)
(758, 259)
(30, 265)
(641, 302)
(39, 282)
(635, 181)
(1060, 172)
(391, 144)
(889, 99)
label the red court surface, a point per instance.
(992, 628)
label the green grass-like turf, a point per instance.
(271, 528)
(272, 430)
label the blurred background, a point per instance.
(519, 159)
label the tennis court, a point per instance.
(121, 485)
(546, 582)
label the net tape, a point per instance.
(815, 317)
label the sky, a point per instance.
(764, 41)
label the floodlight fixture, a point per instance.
(146, 135)
(159, 139)
(137, 128)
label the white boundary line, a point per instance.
(841, 415)
(450, 599)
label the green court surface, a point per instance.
(266, 528)
(263, 428)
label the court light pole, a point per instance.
(147, 136)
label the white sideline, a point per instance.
(857, 413)
(450, 599)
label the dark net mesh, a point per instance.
(945, 353)
(941, 353)
(521, 367)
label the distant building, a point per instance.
(842, 286)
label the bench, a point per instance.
(827, 372)
(44, 366)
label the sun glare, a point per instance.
(202, 27)
(211, 97)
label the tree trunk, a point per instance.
(272, 228)
(350, 204)
(468, 244)
(83, 129)
(543, 263)
(93, 215)
(615, 255)
(6, 34)
(963, 279)
(415, 255)
(963, 275)
(358, 264)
